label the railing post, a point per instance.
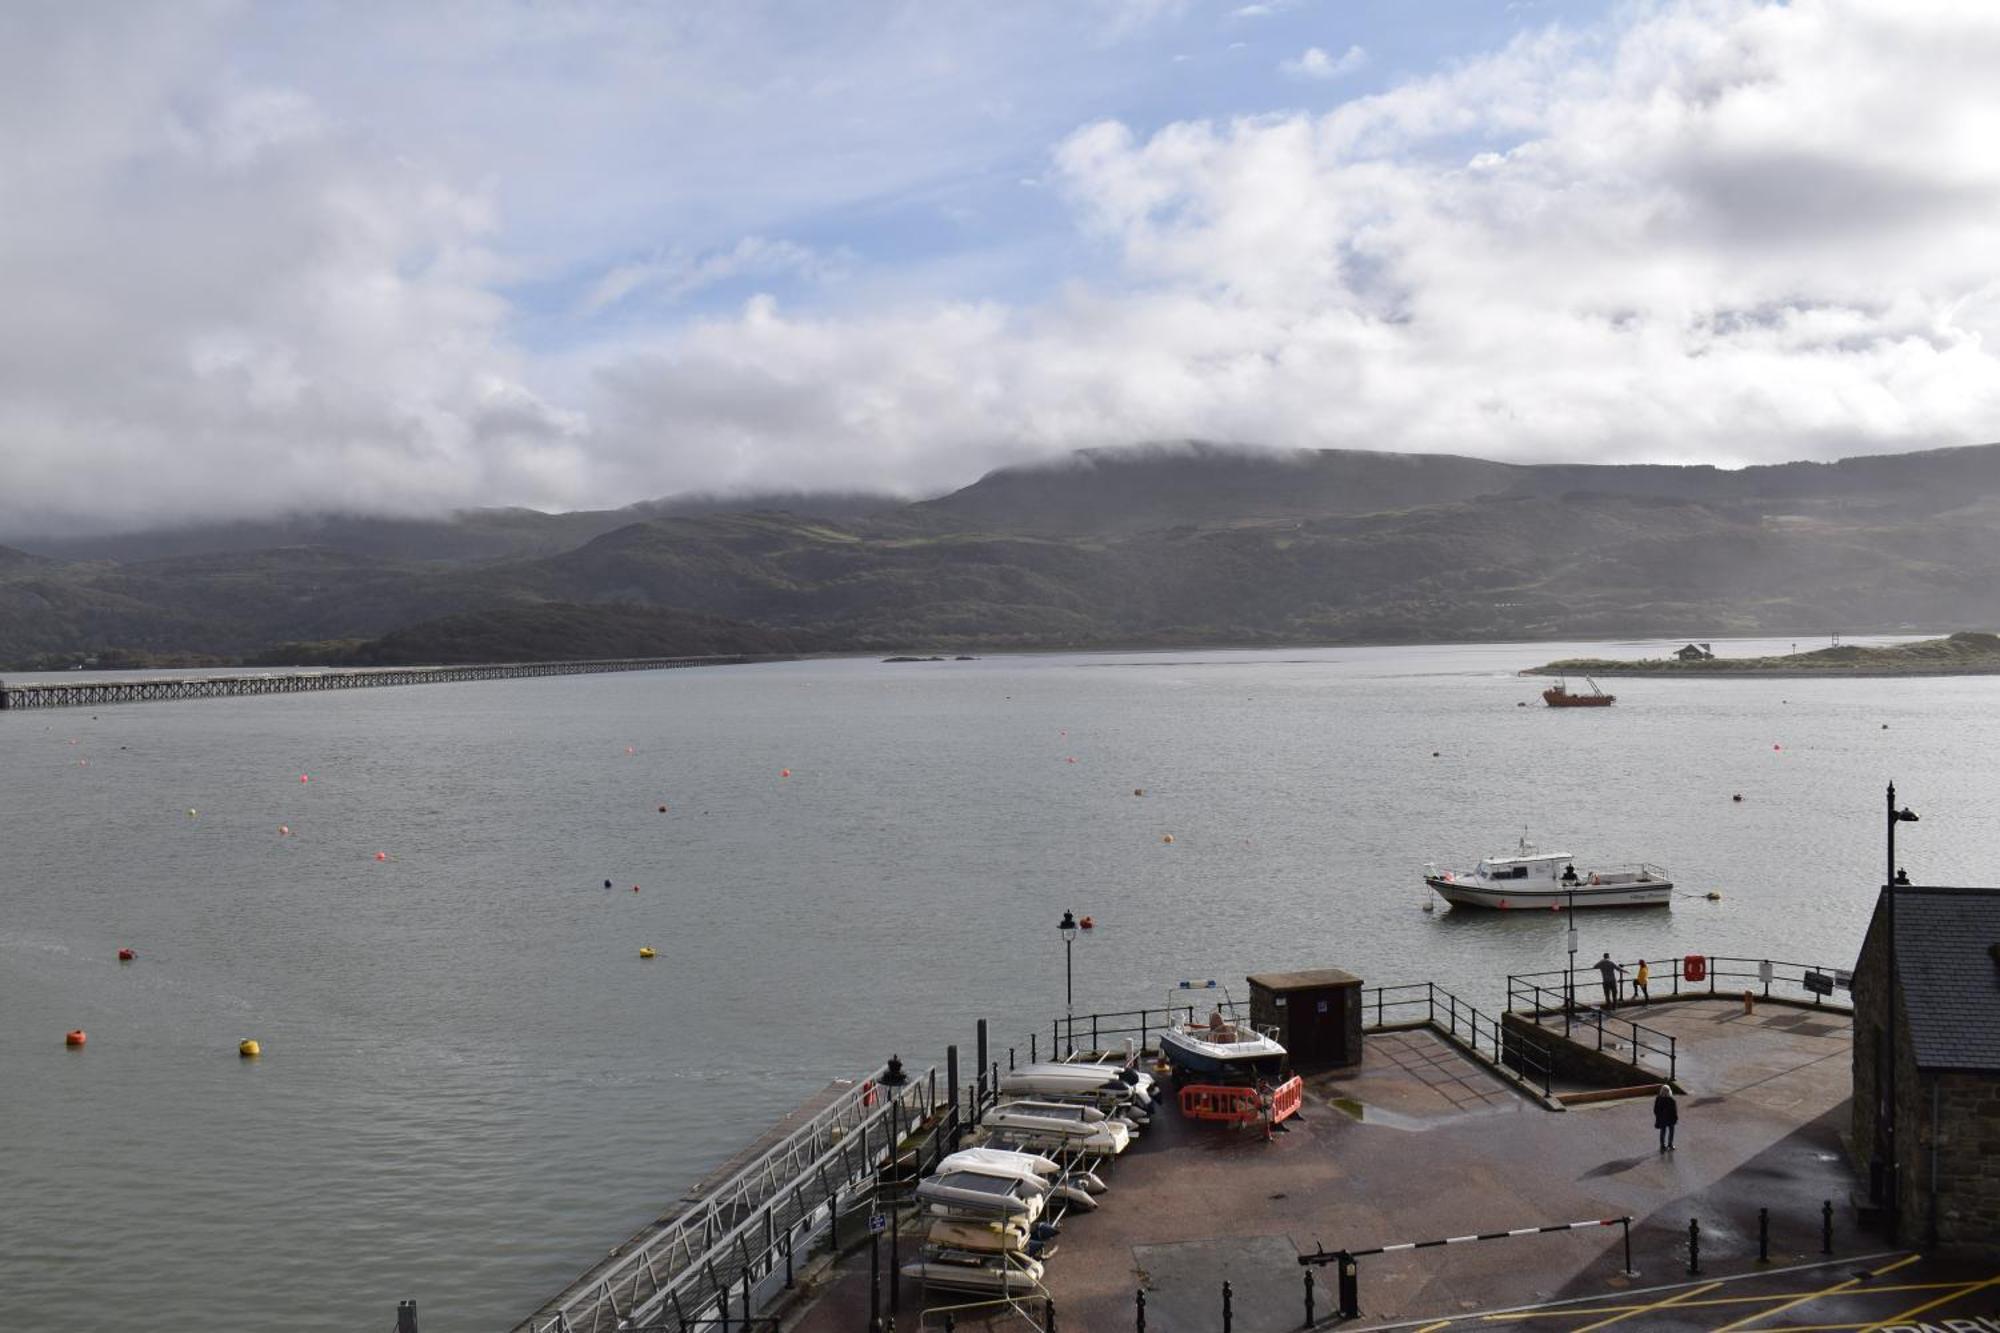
(1673, 1058)
(1378, 1021)
(1094, 1047)
(1600, 1029)
(1142, 1031)
(1431, 1002)
(951, 1089)
(979, 1049)
(1034, 1056)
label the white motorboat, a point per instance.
(1072, 1128)
(1122, 1108)
(974, 1270)
(1550, 881)
(1214, 1048)
(974, 1194)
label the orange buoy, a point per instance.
(126, 955)
(635, 888)
(75, 1038)
(303, 777)
(1087, 923)
(784, 772)
(1167, 838)
(630, 750)
(381, 856)
(1072, 759)
(284, 830)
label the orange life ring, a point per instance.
(867, 1092)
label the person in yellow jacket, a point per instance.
(1639, 980)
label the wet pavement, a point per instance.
(1420, 1142)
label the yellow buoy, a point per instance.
(645, 951)
(248, 1048)
(1167, 838)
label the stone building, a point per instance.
(1944, 1134)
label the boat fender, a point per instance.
(867, 1092)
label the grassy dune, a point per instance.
(1966, 653)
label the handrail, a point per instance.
(747, 1225)
(1640, 1040)
(1458, 1021)
(1667, 977)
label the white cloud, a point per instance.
(1264, 9)
(1315, 63)
(1708, 231)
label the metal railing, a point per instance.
(1630, 1042)
(1722, 974)
(1488, 1038)
(730, 1248)
(1068, 1033)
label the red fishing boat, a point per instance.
(1558, 696)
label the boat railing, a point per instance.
(1426, 1004)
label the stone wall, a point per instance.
(1577, 1059)
(1968, 1168)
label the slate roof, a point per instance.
(1950, 975)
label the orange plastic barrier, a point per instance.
(1216, 1101)
(1694, 967)
(1288, 1099)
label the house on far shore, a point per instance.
(1926, 1110)
(1695, 652)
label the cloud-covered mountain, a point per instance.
(1168, 545)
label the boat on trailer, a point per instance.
(1550, 881)
(1216, 1048)
(977, 1270)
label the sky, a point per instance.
(409, 257)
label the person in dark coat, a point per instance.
(1666, 1114)
(1609, 971)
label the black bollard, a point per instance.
(406, 1317)
(950, 1323)
(1139, 1306)
(1763, 1235)
(1350, 1286)
(1309, 1298)
(1228, 1315)
(1694, 1248)
(1826, 1227)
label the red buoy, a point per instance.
(126, 955)
(75, 1038)
(1087, 923)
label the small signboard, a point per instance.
(877, 1222)
(1843, 979)
(1819, 983)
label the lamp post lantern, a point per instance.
(1883, 1168)
(1067, 927)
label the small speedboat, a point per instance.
(1001, 1159)
(976, 1270)
(1550, 880)
(1215, 1048)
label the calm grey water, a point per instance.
(472, 1086)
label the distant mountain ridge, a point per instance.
(1166, 544)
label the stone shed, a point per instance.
(1926, 1112)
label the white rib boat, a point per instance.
(979, 1237)
(1072, 1128)
(1548, 881)
(1007, 1198)
(974, 1270)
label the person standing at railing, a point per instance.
(1639, 980)
(1666, 1114)
(1608, 970)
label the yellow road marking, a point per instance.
(1433, 1328)
(1928, 1305)
(1835, 1290)
(1647, 1309)
(1764, 1298)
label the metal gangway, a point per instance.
(735, 1249)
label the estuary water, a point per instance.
(472, 1085)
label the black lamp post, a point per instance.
(1885, 1137)
(1068, 929)
(1569, 923)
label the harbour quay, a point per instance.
(1415, 1162)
